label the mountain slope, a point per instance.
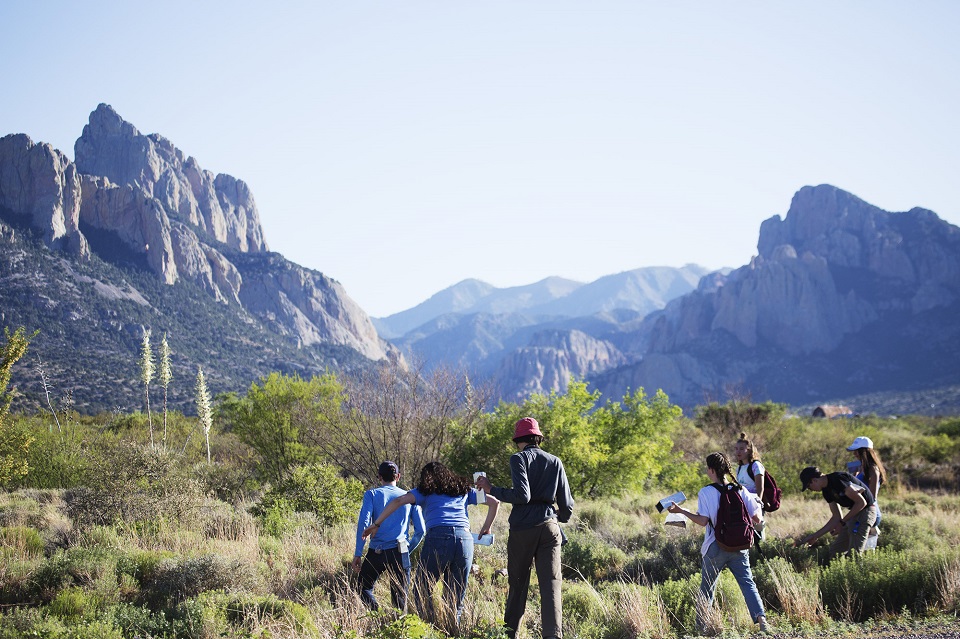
(843, 299)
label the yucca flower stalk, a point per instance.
(166, 375)
(146, 375)
(204, 412)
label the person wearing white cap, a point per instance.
(871, 471)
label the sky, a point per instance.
(401, 147)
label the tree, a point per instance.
(276, 414)
(166, 376)
(406, 415)
(146, 375)
(14, 442)
(605, 450)
(204, 411)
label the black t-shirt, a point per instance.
(837, 486)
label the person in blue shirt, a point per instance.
(447, 552)
(389, 547)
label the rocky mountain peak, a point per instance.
(218, 206)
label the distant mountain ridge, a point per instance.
(533, 338)
(843, 300)
(643, 289)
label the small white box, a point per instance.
(483, 540)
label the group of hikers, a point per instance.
(731, 508)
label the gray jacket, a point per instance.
(540, 489)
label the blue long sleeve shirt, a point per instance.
(394, 528)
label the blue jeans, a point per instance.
(446, 557)
(739, 564)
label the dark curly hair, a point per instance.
(437, 479)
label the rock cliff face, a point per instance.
(830, 279)
(220, 206)
(143, 197)
(38, 181)
(550, 359)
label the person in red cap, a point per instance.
(541, 498)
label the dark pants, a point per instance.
(397, 564)
(539, 547)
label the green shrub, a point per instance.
(74, 603)
(588, 557)
(582, 603)
(33, 622)
(318, 489)
(881, 582)
(175, 580)
(21, 540)
(678, 598)
(664, 555)
(137, 621)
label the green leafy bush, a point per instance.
(881, 582)
(318, 489)
(586, 556)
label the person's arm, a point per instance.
(391, 508)
(832, 523)
(700, 520)
(855, 493)
(520, 492)
(759, 479)
(419, 528)
(493, 507)
(564, 497)
(366, 514)
(873, 481)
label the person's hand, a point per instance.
(484, 484)
(674, 508)
(356, 563)
(369, 531)
(485, 531)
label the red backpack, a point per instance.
(771, 492)
(734, 527)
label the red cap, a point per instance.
(526, 426)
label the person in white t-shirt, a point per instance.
(748, 460)
(715, 559)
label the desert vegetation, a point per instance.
(241, 522)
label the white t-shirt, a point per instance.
(708, 503)
(743, 476)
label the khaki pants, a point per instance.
(853, 536)
(540, 547)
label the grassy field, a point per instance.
(215, 572)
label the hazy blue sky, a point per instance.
(400, 147)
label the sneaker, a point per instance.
(764, 626)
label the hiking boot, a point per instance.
(765, 627)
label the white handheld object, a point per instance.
(483, 540)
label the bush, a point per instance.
(678, 597)
(20, 541)
(881, 582)
(588, 557)
(175, 580)
(319, 489)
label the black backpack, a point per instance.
(734, 527)
(771, 492)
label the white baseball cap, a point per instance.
(861, 442)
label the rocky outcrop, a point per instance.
(221, 206)
(39, 182)
(145, 202)
(830, 268)
(308, 305)
(837, 279)
(551, 359)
